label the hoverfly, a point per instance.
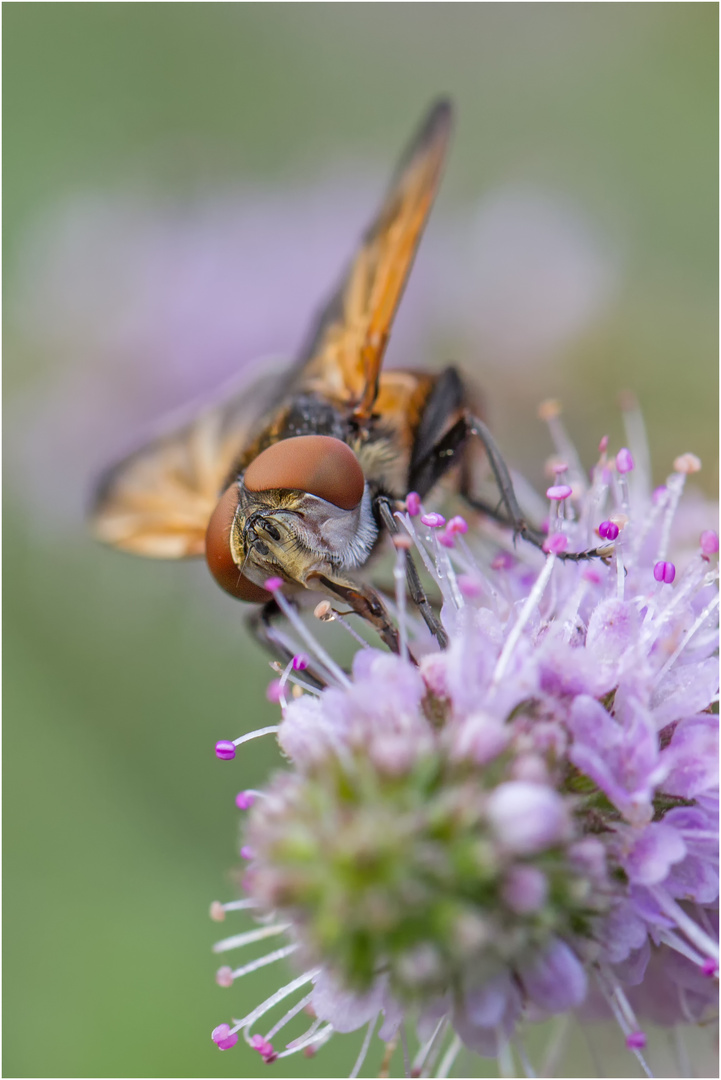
(301, 482)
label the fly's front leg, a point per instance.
(415, 588)
(365, 602)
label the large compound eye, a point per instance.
(219, 556)
(317, 464)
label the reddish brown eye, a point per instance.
(318, 464)
(218, 554)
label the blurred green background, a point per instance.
(120, 675)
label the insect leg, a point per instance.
(415, 588)
(515, 519)
(365, 602)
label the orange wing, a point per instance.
(157, 502)
(345, 354)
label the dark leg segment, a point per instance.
(515, 519)
(415, 588)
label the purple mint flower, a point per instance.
(525, 823)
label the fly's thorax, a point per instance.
(385, 460)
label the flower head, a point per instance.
(524, 824)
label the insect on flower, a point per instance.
(299, 480)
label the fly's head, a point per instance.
(301, 511)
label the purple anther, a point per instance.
(433, 520)
(273, 584)
(458, 524)
(223, 1038)
(665, 572)
(555, 544)
(591, 575)
(608, 530)
(225, 750)
(502, 561)
(659, 494)
(264, 1048)
(709, 542)
(224, 977)
(413, 503)
(447, 538)
(559, 492)
(247, 852)
(709, 967)
(244, 800)
(274, 691)
(636, 1040)
(300, 661)
(624, 460)
(603, 445)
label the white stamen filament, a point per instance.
(567, 451)
(279, 995)
(625, 1027)
(430, 564)
(449, 1058)
(506, 1065)
(556, 1046)
(624, 497)
(318, 1038)
(298, 1007)
(306, 687)
(342, 621)
(263, 961)
(674, 942)
(407, 523)
(638, 445)
(531, 603)
(675, 484)
(591, 509)
(314, 646)
(692, 930)
(521, 1051)
(422, 1055)
(568, 617)
(689, 634)
(625, 1007)
(620, 573)
(307, 1034)
(463, 555)
(443, 562)
(364, 1048)
(272, 730)
(683, 1062)
(241, 905)
(249, 937)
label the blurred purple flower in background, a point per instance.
(520, 827)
